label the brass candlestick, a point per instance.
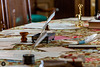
(80, 24)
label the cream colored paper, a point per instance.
(84, 46)
(56, 49)
(83, 18)
(51, 26)
(14, 39)
(17, 32)
(18, 54)
(19, 66)
(6, 45)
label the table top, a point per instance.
(11, 38)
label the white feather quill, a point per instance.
(44, 33)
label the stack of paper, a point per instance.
(17, 32)
(14, 39)
(18, 66)
(56, 49)
(6, 45)
(18, 54)
(51, 26)
(83, 18)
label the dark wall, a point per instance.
(96, 6)
(66, 8)
(87, 9)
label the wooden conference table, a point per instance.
(66, 34)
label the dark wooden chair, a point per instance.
(17, 12)
(14, 12)
(2, 21)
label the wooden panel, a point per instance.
(87, 9)
(1, 24)
(99, 5)
(92, 7)
(0, 16)
(66, 8)
(77, 2)
(43, 4)
(0, 11)
(17, 12)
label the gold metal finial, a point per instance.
(80, 24)
(80, 9)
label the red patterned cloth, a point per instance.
(61, 37)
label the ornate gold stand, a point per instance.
(80, 24)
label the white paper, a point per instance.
(14, 39)
(83, 46)
(17, 32)
(6, 45)
(56, 49)
(18, 66)
(18, 54)
(51, 26)
(10, 39)
(83, 18)
(94, 21)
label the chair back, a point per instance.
(15, 12)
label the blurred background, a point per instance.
(17, 12)
(68, 8)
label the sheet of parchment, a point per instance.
(18, 54)
(56, 49)
(6, 45)
(51, 26)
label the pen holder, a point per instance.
(23, 38)
(28, 59)
(47, 39)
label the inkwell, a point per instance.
(29, 59)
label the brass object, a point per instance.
(80, 24)
(23, 38)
